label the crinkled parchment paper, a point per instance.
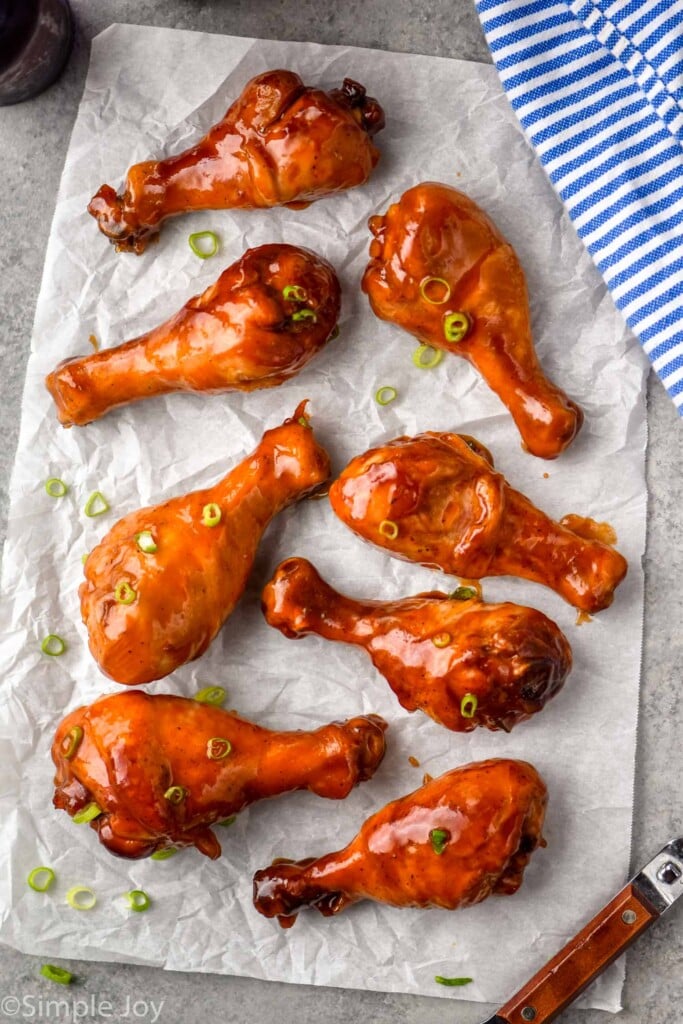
(150, 92)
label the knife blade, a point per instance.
(650, 893)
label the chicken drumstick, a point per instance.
(452, 843)
(437, 500)
(164, 580)
(150, 772)
(264, 318)
(440, 269)
(461, 661)
(281, 143)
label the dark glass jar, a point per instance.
(35, 41)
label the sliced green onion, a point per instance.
(426, 358)
(439, 838)
(87, 813)
(303, 421)
(145, 541)
(294, 293)
(96, 505)
(388, 528)
(211, 514)
(217, 748)
(452, 981)
(138, 900)
(441, 297)
(227, 821)
(211, 695)
(39, 884)
(463, 594)
(335, 332)
(164, 854)
(456, 326)
(124, 592)
(80, 897)
(55, 487)
(71, 742)
(175, 794)
(85, 557)
(304, 314)
(58, 974)
(385, 394)
(468, 705)
(442, 639)
(197, 242)
(53, 645)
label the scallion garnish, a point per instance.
(94, 342)
(138, 900)
(435, 290)
(58, 974)
(456, 326)
(303, 421)
(40, 879)
(304, 314)
(87, 813)
(211, 514)
(175, 794)
(96, 505)
(468, 705)
(227, 821)
(441, 639)
(210, 695)
(335, 332)
(164, 854)
(294, 293)
(80, 897)
(53, 645)
(85, 557)
(198, 243)
(439, 838)
(388, 528)
(385, 394)
(55, 487)
(452, 981)
(426, 358)
(124, 593)
(217, 748)
(71, 742)
(462, 594)
(145, 541)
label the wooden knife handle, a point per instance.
(587, 955)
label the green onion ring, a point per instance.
(294, 293)
(58, 974)
(87, 813)
(304, 314)
(138, 900)
(211, 695)
(452, 981)
(456, 326)
(388, 528)
(96, 505)
(434, 356)
(424, 285)
(462, 594)
(55, 487)
(385, 394)
(53, 645)
(200, 236)
(124, 593)
(145, 541)
(71, 742)
(439, 838)
(442, 640)
(217, 748)
(227, 822)
(73, 898)
(175, 795)
(211, 514)
(33, 879)
(170, 851)
(468, 705)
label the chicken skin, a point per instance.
(281, 143)
(264, 318)
(442, 271)
(461, 661)
(437, 500)
(163, 581)
(152, 772)
(452, 843)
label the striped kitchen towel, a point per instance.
(598, 88)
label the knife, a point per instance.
(652, 891)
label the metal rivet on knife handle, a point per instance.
(528, 1013)
(629, 917)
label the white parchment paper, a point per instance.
(150, 92)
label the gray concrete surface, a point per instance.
(33, 142)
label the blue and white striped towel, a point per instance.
(598, 88)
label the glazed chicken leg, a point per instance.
(265, 317)
(452, 843)
(159, 771)
(281, 143)
(164, 579)
(463, 662)
(436, 499)
(440, 269)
